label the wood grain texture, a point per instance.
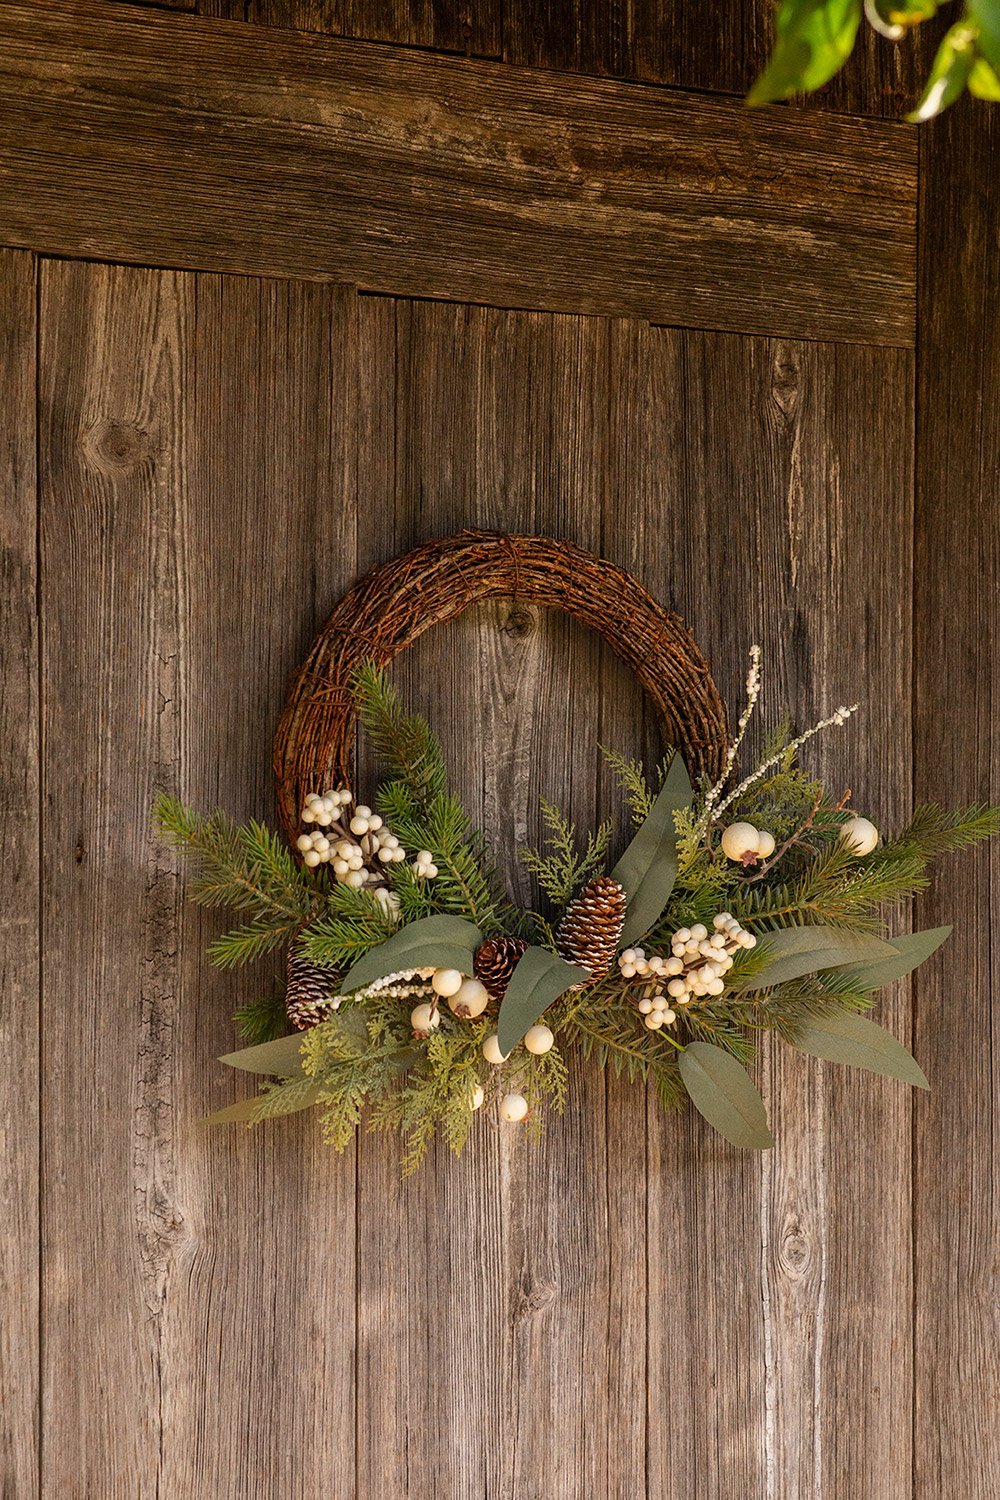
(721, 47)
(429, 176)
(193, 494)
(958, 689)
(20, 948)
(761, 490)
(469, 26)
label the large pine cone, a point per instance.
(495, 962)
(309, 990)
(590, 931)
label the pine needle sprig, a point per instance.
(262, 1020)
(252, 940)
(247, 868)
(933, 830)
(631, 778)
(406, 741)
(563, 869)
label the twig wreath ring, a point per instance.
(418, 996)
(390, 607)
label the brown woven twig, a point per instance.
(389, 608)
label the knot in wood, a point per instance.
(116, 445)
(520, 622)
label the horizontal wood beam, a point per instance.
(129, 134)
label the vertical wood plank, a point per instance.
(720, 47)
(444, 25)
(19, 836)
(759, 497)
(481, 417)
(958, 689)
(192, 503)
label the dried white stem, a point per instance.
(753, 684)
(838, 717)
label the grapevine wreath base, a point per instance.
(419, 996)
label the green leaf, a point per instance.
(794, 951)
(911, 949)
(250, 1110)
(893, 18)
(539, 978)
(858, 1043)
(282, 1057)
(648, 868)
(949, 73)
(984, 81)
(814, 40)
(442, 942)
(986, 16)
(725, 1094)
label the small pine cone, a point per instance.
(309, 991)
(495, 962)
(590, 931)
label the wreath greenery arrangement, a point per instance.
(420, 996)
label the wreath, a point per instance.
(418, 996)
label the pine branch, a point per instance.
(934, 830)
(405, 740)
(631, 779)
(241, 945)
(563, 870)
(262, 1020)
(245, 868)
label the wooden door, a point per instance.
(277, 307)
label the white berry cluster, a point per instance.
(656, 1011)
(695, 969)
(357, 846)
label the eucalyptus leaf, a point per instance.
(953, 62)
(858, 1043)
(813, 40)
(648, 868)
(911, 949)
(795, 951)
(986, 15)
(282, 1057)
(539, 978)
(723, 1091)
(248, 1110)
(984, 81)
(441, 942)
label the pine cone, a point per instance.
(590, 931)
(309, 990)
(495, 962)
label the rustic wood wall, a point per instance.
(633, 1308)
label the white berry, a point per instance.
(513, 1108)
(446, 981)
(860, 835)
(539, 1039)
(740, 840)
(469, 1000)
(424, 1018)
(311, 858)
(765, 844)
(491, 1050)
(303, 842)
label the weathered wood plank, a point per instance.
(193, 493)
(445, 25)
(514, 1346)
(958, 687)
(721, 47)
(139, 135)
(21, 837)
(762, 515)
